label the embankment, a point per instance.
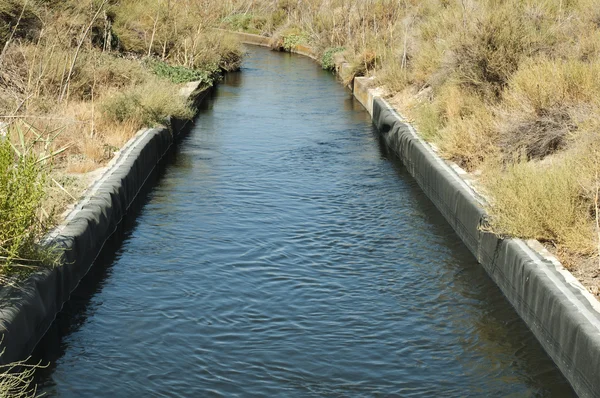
(561, 313)
(28, 308)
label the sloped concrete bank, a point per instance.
(560, 312)
(28, 308)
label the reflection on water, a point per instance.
(286, 253)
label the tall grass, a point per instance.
(145, 105)
(22, 183)
(99, 70)
(94, 72)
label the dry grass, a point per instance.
(76, 82)
(542, 201)
(547, 104)
(491, 79)
(78, 67)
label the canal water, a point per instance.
(285, 253)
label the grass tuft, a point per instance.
(181, 74)
(328, 59)
(145, 105)
(22, 191)
(542, 201)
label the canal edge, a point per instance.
(557, 308)
(563, 316)
(28, 310)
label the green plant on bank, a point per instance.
(181, 74)
(146, 105)
(248, 23)
(22, 182)
(293, 40)
(327, 60)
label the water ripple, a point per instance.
(283, 255)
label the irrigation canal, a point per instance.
(285, 253)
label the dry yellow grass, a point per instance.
(74, 87)
(64, 69)
(542, 200)
(491, 78)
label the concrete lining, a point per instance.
(561, 313)
(263, 41)
(28, 308)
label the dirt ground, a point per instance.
(586, 270)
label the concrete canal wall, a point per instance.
(28, 309)
(560, 312)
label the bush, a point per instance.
(22, 182)
(546, 103)
(534, 200)
(489, 51)
(181, 74)
(292, 40)
(146, 105)
(327, 60)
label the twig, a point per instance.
(93, 107)
(153, 32)
(12, 34)
(68, 79)
(44, 117)
(63, 189)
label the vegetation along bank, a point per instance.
(505, 88)
(77, 80)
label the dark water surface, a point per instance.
(284, 253)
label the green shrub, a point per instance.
(327, 60)
(22, 180)
(181, 74)
(292, 40)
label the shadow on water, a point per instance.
(501, 326)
